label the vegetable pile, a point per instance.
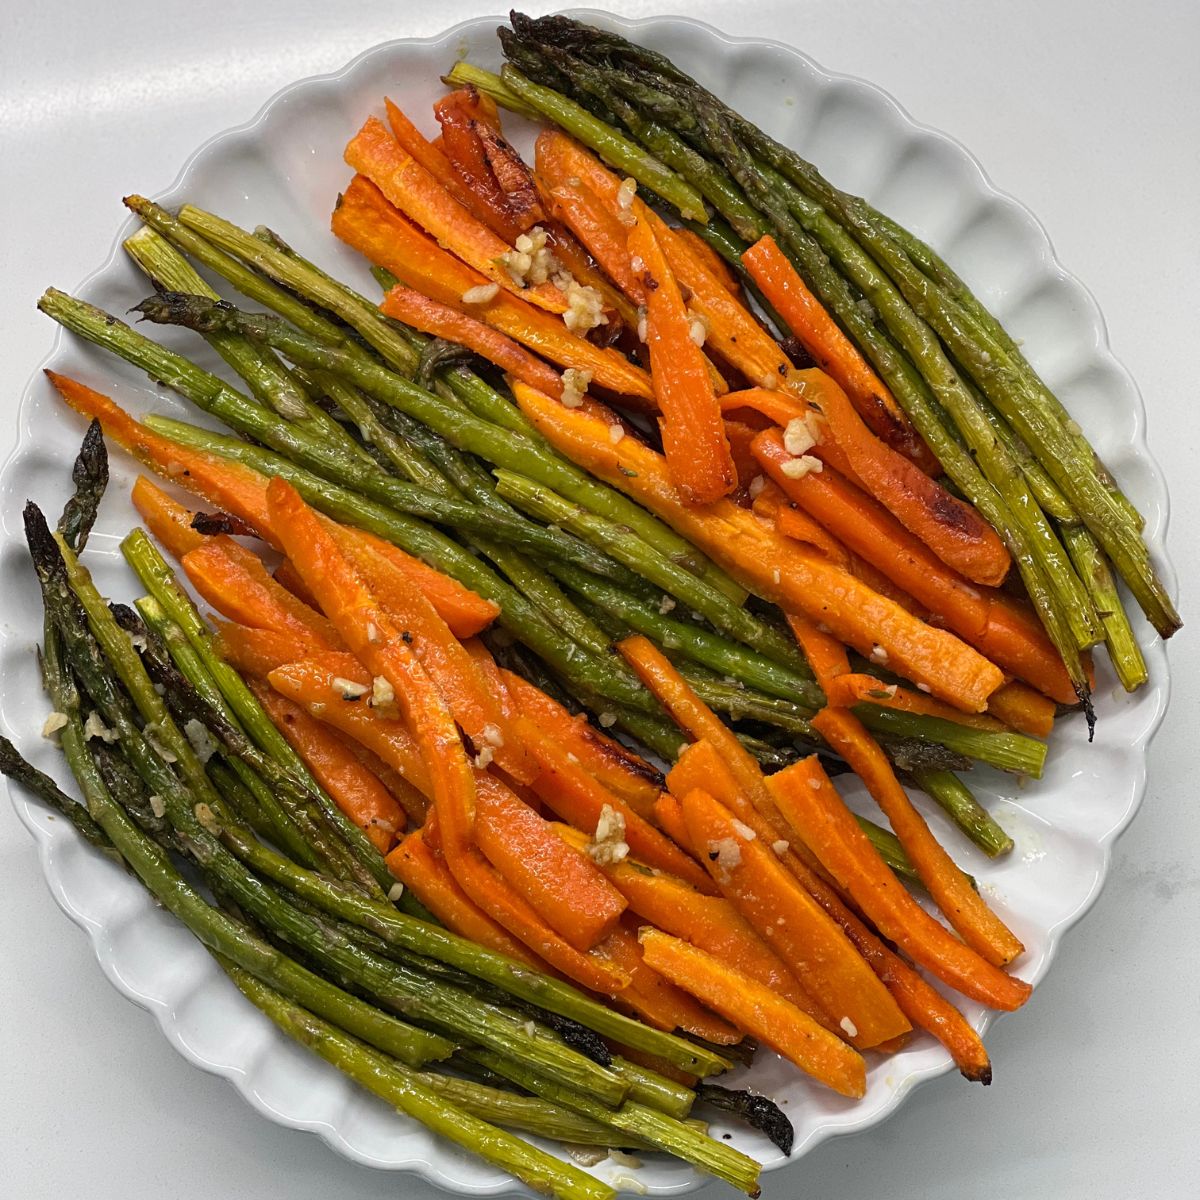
(660, 435)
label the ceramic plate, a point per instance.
(284, 169)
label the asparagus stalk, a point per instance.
(967, 813)
(421, 1097)
(90, 477)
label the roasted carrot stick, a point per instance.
(375, 153)
(699, 766)
(716, 265)
(597, 227)
(611, 764)
(1023, 709)
(414, 804)
(258, 652)
(234, 581)
(563, 885)
(286, 576)
(419, 869)
(357, 792)
(167, 519)
(453, 671)
(791, 922)
(574, 796)
(367, 222)
(697, 450)
(850, 689)
(433, 158)
(769, 565)
(826, 655)
(811, 803)
(760, 1011)
(379, 643)
(440, 320)
(654, 999)
(233, 488)
(833, 350)
(668, 815)
(963, 907)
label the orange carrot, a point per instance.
(287, 576)
(791, 922)
(769, 565)
(426, 875)
(654, 999)
(235, 582)
(833, 350)
(717, 267)
(432, 157)
(1024, 709)
(357, 792)
(561, 883)
(257, 652)
(700, 767)
(825, 654)
(963, 907)
(375, 153)
(379, 643)
(440, 320)
(850, 689)
(794, 523)
(693, 434)
(668, 814)
(168, 520)
(611, 764)
(583, 269)
(415, 805)
(365, 221)
(232, 487)
(597, 227)
(451, 668)
(756, 1008)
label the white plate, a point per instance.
(283, 169)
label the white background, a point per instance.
(1089, 111)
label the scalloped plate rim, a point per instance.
(32, 815)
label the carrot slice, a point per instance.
(769, 1017)
(923, 1005)
(455, 674)
(419, 869)
(235, 582)
(573, 795)
(357, 792)
(440, 320)
(413, 803)
(964, 908)
(379, 643)
(368, 223)
(1024, 709)
(611, 764)
(811, 803)
(826, 655)
(833, 350)
(717, 267)
(287, 576)
(654, 999)
(597, 227)
(432, 157)
(167, 519)
(375, 153)
(850, 689)
(561, 883)
(697, 450)
(791, 922)
(769, 565)
(668, 813)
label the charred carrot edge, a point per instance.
(833, 350)
(811, 803)
(760, 1011)
(375, 153)
(825, 654)
(426, 875)
(950, 527)
(655, 999)
(963, 906)
(367, 222)
(352, 608)
(357, 792)
(849, 689)
(166, 518)
(574, 796)
(768, 564)
(440, 320)
(233, 488)
(1023, 709)
(562, 885)
(234, 581)
(442, 656)
(791, 922)
(611, 764)
(693, 433)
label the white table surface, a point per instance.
(1090, 114)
